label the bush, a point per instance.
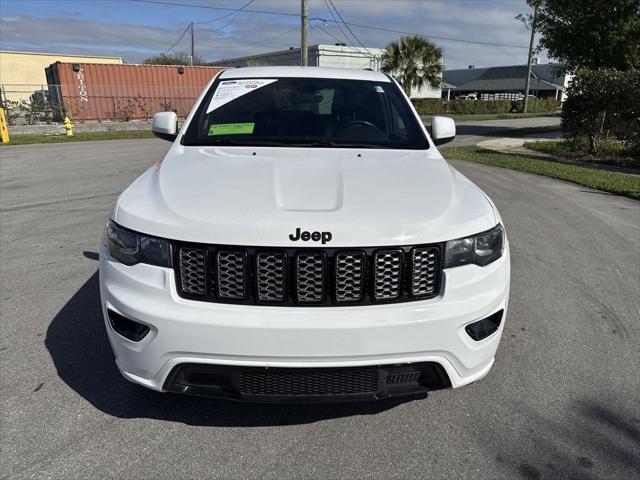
(601, 104)
(33, 111)
(429, 106)
(479, 106)
(436, 106)
(537, 105)
(498, 106)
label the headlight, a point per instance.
(480, 249)
(129, 247)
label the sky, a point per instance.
(135, 30)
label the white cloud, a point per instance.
(486, 21)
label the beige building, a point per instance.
(22, 73)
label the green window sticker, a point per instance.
(231, 129)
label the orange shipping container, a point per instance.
(122, 92)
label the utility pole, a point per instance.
(193, 45)
(529, 58)
(303, 33)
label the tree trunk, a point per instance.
(604, 116)
(407, 89)
(593, 143)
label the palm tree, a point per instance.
(414, 62)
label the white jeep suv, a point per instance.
(303, 240)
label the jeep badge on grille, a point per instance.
(305, 236)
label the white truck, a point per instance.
(303, 240)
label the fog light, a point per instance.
(129, 329)
(485, 327)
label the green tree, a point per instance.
(590, 33)
(603, 103)
(180, 58)
(414, 62)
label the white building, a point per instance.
(333, 56)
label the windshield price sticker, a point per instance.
(231, 129)
(229, 90)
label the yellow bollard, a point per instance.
(68, 126)
(4, 130)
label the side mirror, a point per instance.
(165, 125)
(443, 130)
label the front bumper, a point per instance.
(223, 335)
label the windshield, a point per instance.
(305, 112)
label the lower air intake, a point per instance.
(347, 382)
(313, 385)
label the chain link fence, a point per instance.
(30, 104)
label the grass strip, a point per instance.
(614, 182)
(78, 137)
(610, 152)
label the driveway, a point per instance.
(473, 132)
(561, 401)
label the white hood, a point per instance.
(260, 195)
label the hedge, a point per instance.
(537, 106)
(479, 106)
(426, 106)
(437, 106)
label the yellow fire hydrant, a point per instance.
(68, 126)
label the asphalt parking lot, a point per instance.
(561, 401)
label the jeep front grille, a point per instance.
(309, 277)
(387, 273)
(271, 277)
(312, 277)
(192, 269)
(423, 261)
(231, 267)
(350, 276)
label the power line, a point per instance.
(327, 32)
(336, 20)
(215, 19)
(348, 28)
(176, 42)
(247, 44)
(450, 39)
(237, 14)
(209, 7)
(294, 29)
(265, 40)
(325, 20)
